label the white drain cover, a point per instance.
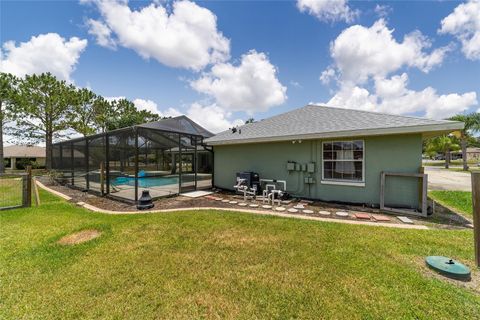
(341, 214)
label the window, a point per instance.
(343, 161)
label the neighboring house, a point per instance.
(330, 154)
(473, 154)
(16, 157)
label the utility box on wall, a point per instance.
(311, 167)
(309, 180)
(290, 166)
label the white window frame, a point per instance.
(353, 183)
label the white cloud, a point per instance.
(43, 53)
(186, 37)
(464, 24)
(392, 96)
(102, 33)
(251, 86)
(328, 75)
(360, 52)
(328, 10)
(362, 56)
(382, 10)
(149, 105)
(212, 117)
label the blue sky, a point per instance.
(293, 43)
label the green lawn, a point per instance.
(222, 265)
(10, 192)
(460, 201)
(470, 169)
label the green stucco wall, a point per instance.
(395, 153)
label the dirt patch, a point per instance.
(79, 237)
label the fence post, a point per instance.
(27, 188)
(476, 214)
(102, 178)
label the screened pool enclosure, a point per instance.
(167, 157)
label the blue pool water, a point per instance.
(146, 182)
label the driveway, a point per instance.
(443, 179)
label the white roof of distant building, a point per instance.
(24, 151)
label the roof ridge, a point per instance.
(376, 112)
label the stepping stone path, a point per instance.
(210, 197)
(380, 218)
(286, 201)
(299, 206)
(308, 211)
(218, 199)
(405, 220)
(324, 213)
(292, 210)
(253, 205)
(233, 202)
(243, 204)
(362, 216)
(342, 214)
(225, 200)
(280, 208)
(266, 206)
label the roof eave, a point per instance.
(426, 130)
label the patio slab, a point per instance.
(379, 217)
(363, 216)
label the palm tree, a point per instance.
(472, 125)
(443, 144)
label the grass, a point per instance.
(460, 201)
(209, 264)
(10, 191)
(452, 162)
(470, 169)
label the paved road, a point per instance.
(442, 179)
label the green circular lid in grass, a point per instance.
(448, 267)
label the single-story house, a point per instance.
(17, 157)
(330, 154)
(473, 154)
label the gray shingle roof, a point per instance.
(314, 121)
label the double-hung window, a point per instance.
(343, 161)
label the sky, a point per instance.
(223, 62)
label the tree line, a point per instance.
(40, 109)
(456, 141)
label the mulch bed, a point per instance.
(446, 221)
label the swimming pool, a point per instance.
(146, 182)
